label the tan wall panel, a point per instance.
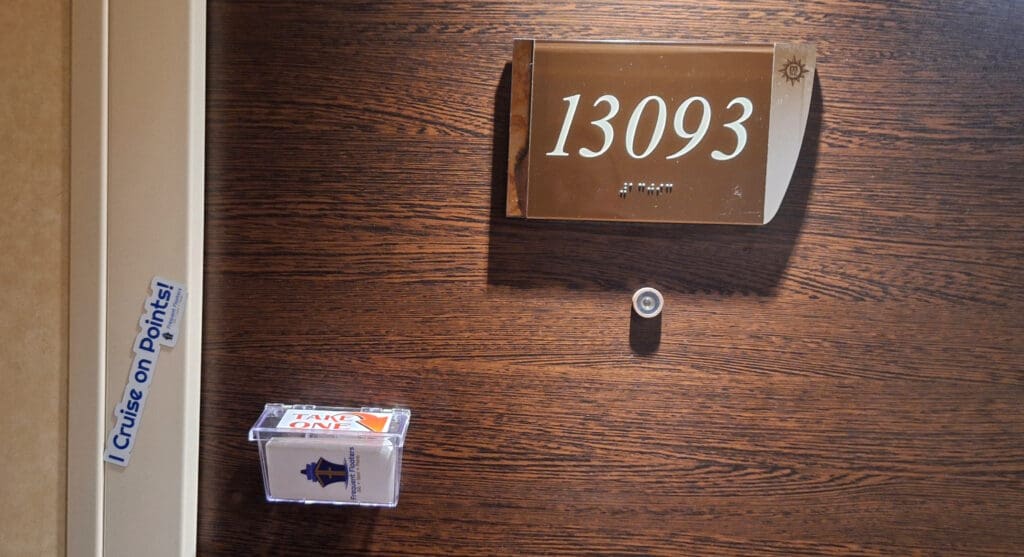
(34, 100)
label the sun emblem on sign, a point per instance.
(793, 70)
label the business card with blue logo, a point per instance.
(328, 470)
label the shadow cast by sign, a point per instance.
(698, 259)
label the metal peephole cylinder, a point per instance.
(647, 302)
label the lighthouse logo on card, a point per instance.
(325, 472)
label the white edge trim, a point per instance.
(791, 105)
(194, 273)
(87, 281)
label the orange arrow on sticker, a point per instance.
(372, 422)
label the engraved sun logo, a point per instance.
(793, 70)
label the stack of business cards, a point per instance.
(341, 456)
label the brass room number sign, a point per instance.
(655, 132)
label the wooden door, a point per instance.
(845, 380)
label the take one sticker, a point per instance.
(313, 419)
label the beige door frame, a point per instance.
(137, 152)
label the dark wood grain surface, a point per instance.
(847, 380)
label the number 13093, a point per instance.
(693, 138)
